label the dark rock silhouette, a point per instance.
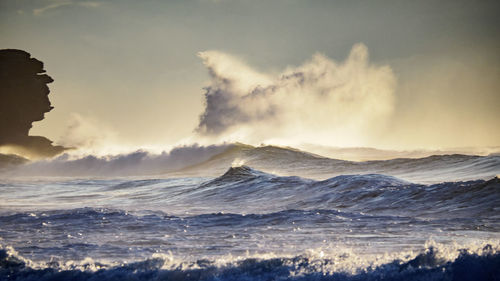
(23, 100)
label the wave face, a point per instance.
(252, 224)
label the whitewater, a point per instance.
(237, 212)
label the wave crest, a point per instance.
(465, 264)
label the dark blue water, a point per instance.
(247, 224)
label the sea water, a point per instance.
(249, 224)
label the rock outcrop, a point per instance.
(23, 100)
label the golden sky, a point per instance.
(135, 73)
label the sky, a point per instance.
(385, 74)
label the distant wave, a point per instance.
(136, 163)
(214, 160)
(482, 264)
(8, 160)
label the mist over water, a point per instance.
(322, 101)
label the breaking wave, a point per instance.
(213, 160)
(430, 264)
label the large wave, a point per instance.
(243, 189)
(370, 193)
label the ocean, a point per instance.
(246, 213)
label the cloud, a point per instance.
(322, 101)
(56, 4)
